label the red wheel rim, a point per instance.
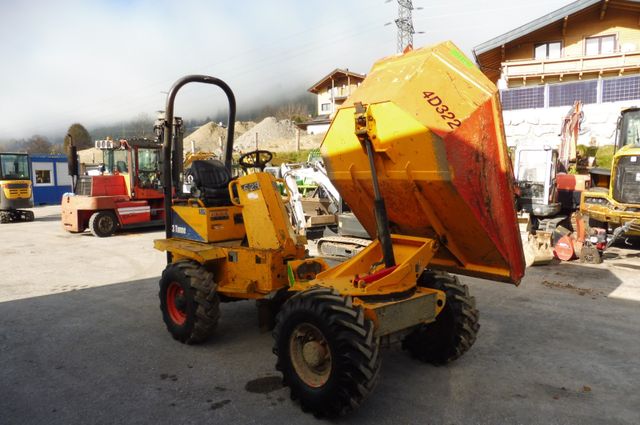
(176, 303)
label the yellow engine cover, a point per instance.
(214, 224)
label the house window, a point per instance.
(42, 173)
(325, 107)
(600, 45)
(551, 50)
(43, 176)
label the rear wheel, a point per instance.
(103, 224)
(327, 352)
(188, 301)
(5, 217)
(454, 330)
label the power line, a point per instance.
(404, 22)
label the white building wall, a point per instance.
(317, 128)
(325, 97)
(543, 125)
(62, 174)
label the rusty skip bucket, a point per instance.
(441, 158)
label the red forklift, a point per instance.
(127, 194)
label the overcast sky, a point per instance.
(107, 61)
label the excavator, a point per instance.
(418, 152)
(614, 198)
(317, 215)
(15, 188)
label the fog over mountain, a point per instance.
(105, 62)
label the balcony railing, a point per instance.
(571, 65)
(340, 92)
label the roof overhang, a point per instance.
(490, 54)
(320, 120)
(336, 73)
(534, 25)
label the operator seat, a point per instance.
(210, 181)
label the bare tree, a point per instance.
(38, 144)
(142, 126)
(57, 148)
(292, 111)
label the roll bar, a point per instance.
(168, 135)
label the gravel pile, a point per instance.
(273, 135)
(211, 136)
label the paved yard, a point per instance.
(82, 341)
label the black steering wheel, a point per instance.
(255, 159)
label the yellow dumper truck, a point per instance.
(418, 152)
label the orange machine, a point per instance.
(128, 193)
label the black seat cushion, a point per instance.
(210, 181)
(209, 173)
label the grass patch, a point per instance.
(604, 156)
(286, 157)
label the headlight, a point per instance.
(593, 200)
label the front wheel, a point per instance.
(103, 224)
(327, 352)
(188, 301)
(455, 328)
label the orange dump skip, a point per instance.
(441, 157)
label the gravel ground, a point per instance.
(82, 341)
